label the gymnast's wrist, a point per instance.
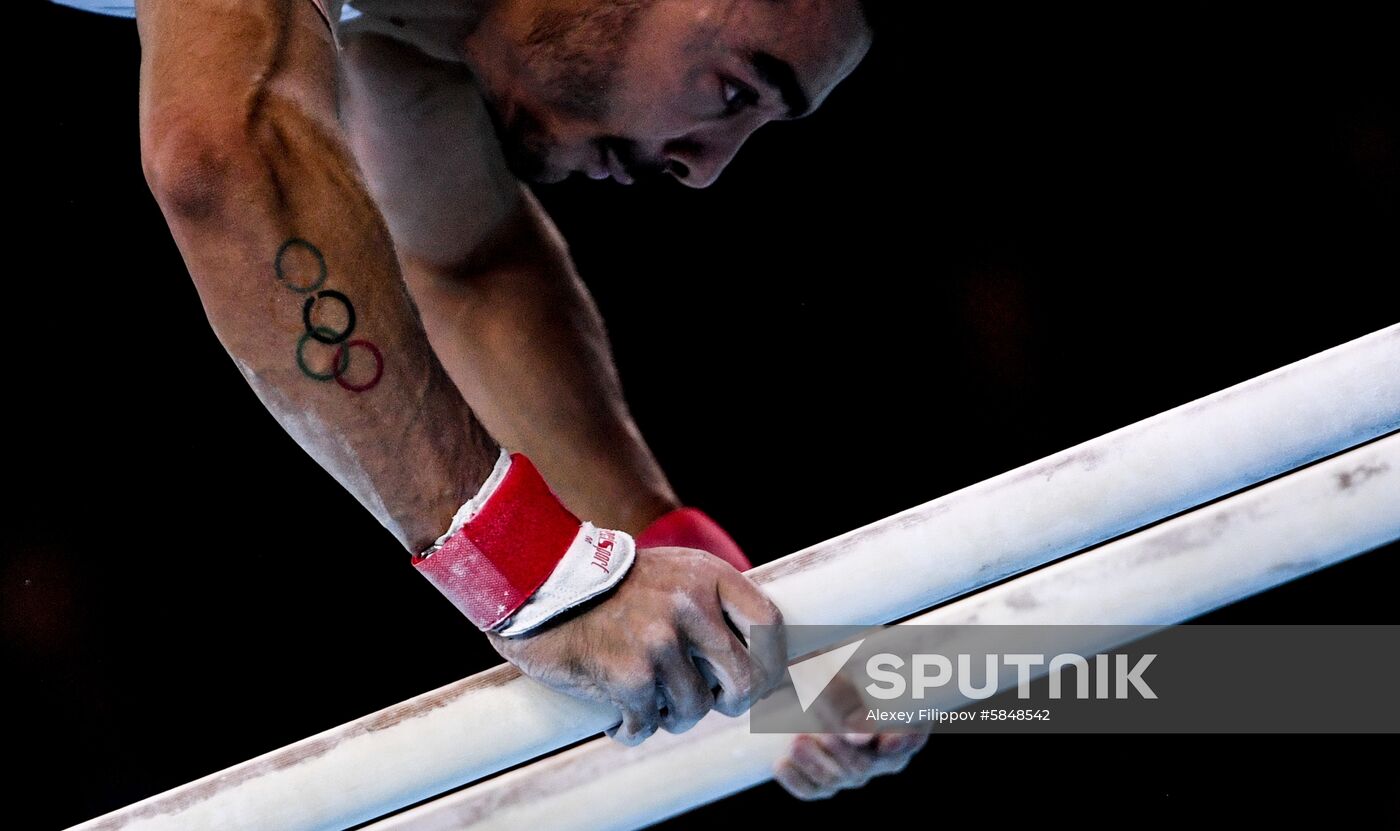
(424, 529)
(689, 527)
(514, 557)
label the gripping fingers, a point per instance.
(746, 604)
(636, 727)
(640, 715)
(727, 659)
(687, 695)
(797, 782)
(818, 765)
(830, 764)
(895, 750)
(840, 706)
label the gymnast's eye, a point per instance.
(736, 97)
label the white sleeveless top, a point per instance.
(437, 27)
(127, 8)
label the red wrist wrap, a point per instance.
(494, 562)
(693, 528)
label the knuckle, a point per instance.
(635, 728)
(632, 681)
(704, 699)
(694, 710)
(640, 690)
(684, 603)
(671, 721)
(660, 642)
(744, 680)
(683, 711)
(731, 706)
(625, 738)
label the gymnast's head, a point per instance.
(639, 89)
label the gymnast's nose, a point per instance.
(699, 158)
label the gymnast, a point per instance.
(348, 186)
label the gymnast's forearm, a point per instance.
(298, 278)
(523, 338)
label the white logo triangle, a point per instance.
(811, 676)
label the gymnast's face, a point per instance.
(637, 89)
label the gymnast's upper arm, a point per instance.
(213, 71)
(421, 135)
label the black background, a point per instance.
(1014, 229)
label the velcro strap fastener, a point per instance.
(503, 544)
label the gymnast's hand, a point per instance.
(660, 647)
(818, 765)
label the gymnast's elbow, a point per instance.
(212, 163)
(188, 164)
(234, 182)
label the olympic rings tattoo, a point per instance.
(315, 252)
(343, 360)
(340, 362)
(314, 331)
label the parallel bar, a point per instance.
(888, 570)
(1169, 573)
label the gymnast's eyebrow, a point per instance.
(778, 74)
